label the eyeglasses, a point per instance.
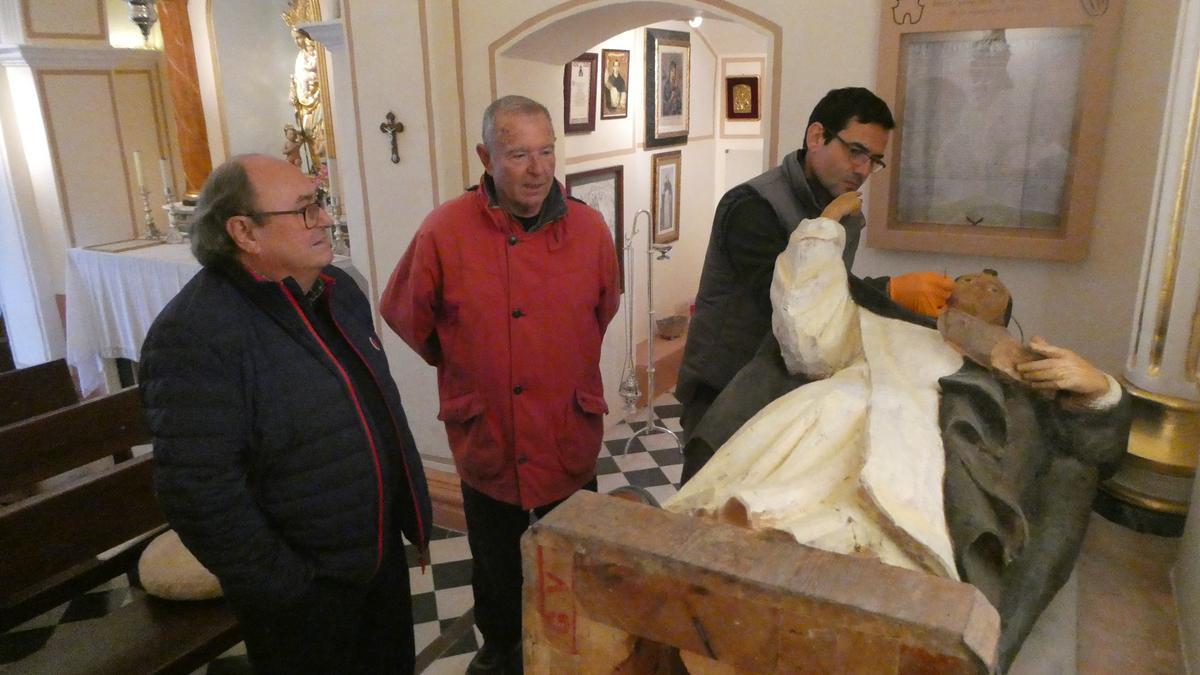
(311, 213)
(860, 155)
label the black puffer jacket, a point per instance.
(264, 463)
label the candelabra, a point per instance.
(629, 385)
(339, 231)
(174, 236)
(148, 216)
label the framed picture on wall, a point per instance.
(579, 94)
(1000, 126)
(614, 87)
(741, 98)
(668, 81)
(666, 171)
(603, 190)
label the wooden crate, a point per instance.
(616, 586)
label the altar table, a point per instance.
(114, 295)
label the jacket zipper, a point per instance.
(361, 418)
(423, 544)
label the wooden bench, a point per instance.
(35, 390)
(52, 545)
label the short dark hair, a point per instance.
(840, 107)
(226, 193)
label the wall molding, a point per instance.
(77, 57)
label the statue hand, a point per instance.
(1063, 370)
(847, 203)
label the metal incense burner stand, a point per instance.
(629, 384)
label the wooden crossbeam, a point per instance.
(616, 586)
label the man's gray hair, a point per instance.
(226, 193)
(509, 105)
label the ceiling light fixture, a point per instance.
(696, 21)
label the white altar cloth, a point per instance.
(112, 298)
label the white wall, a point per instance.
(255, 58)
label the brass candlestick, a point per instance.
(151, 228)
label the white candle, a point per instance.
(331, 163)
(165, 174)
(137, 169)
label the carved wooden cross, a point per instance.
(392, 127)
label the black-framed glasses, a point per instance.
(859, 154)
(310, 212)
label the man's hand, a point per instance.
(922, 292)
(848, 203)
(1063, 370)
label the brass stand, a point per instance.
(1157, 472)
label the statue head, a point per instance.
(983, 296)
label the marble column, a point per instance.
(185, 92)
(1163, 370)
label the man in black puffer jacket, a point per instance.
(284, 458)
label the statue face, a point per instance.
(981, 295)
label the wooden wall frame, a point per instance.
(993, 229)
(579, 94)
(604, 190)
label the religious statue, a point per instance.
(887, 444)
(305, 92)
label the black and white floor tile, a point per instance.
(445, 635)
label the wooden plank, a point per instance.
(743, 601)
(149, 635)
(55, 531)
(35, 390)
(53, 443)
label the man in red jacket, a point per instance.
(507, 290)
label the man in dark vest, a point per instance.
(844, 143)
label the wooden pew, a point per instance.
(53, 443)
(34, 390)
(615, 586)
(50, 544)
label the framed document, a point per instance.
(1000, 110)
(741, 98)
(579, 94)
(603, 190)
(666, 171)
(614, 87)
(668, 81)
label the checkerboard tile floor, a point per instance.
(446, 637)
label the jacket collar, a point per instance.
(811, 193)
(553, 208)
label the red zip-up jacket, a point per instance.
(513, 321)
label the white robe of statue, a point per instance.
(852, 462)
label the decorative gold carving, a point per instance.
(308, 142)
(1166, 293)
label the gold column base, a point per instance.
(1160, 464)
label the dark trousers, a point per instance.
(494, 530)
(336, 628)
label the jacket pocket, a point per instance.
(476, 452)
(579, 435)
